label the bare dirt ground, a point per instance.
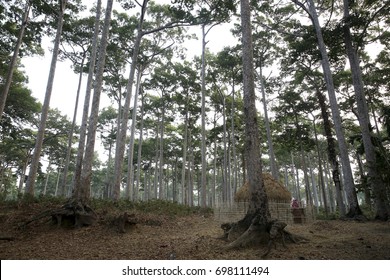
(184, 237)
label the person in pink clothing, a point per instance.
(294, 203)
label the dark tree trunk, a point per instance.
(331, 152)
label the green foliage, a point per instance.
(107, 126)
(18, 128)
(203, 12)
(26, 200)
(21, 106)
(163, 207)
(158, 207)
(11, 14)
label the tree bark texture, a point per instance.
(349, 184)
(130, 193)
(374, 178)
(258, 214)
(86, 175)
(84, 120)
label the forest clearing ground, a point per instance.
(192, 236)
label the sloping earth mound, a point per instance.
(195, 236)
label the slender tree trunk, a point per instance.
(184, 165)
(130, 167)
(330, 189)
(213, 195)
(161, 152)
(349, 184)
(226, 189)
(174, 183)
(118, 132)
(156, 156)
(107, 192)
(14, 59)
(203, 117)
(309, 199)
(229, 168)
(140, 145)
(297, 186)
(86, 175)
(286, 184)
(363, 181)
(233, 137)
(47, 178)
(84, 120)
(46, 104)
(320, 172)
(121, 143)
(303, 161)
(23, 173)
(313, 185)
(271, 153)
(57, 181)
(70, 137)
(374, 178)
(147, 184)
(190, 185)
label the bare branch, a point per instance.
(303, 7)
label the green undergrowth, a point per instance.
(367, 212)
(157, 207)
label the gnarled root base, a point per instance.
(256, 234)
(74, 213)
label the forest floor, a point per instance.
(192, 236)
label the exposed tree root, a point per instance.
(258, 234)
(254, 235)
(74, 212)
